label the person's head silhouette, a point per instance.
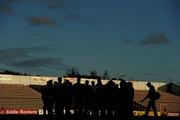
(148, 84)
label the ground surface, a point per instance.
(37, 117)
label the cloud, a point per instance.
(156, 39)
(40, 63)
(81, 19)
(6, 10)
(127, 41)
(69, 7)
(14, 54)
(24, 58)
(42, 21)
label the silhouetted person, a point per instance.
(130, 98)
(47, 97)
(59, 97)
(99, 94)
(93, 99)
(77, 92)
(110, 97)
(116, 100)
(86, 98)
(67, 87)
(123, 99)
(151, 96)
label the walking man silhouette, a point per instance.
(151, 96)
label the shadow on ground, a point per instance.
(73, 117)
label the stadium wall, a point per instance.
(25, 80)
(42, 80)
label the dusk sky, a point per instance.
(138, 38)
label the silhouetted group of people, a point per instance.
(61, 98)
(88, 98)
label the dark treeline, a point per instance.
(88, 99)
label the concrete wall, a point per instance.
(138, 85)
(26, 80)
(41, 80)
(141, 85)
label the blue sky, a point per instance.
(137, 38)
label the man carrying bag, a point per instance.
(153, 96)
